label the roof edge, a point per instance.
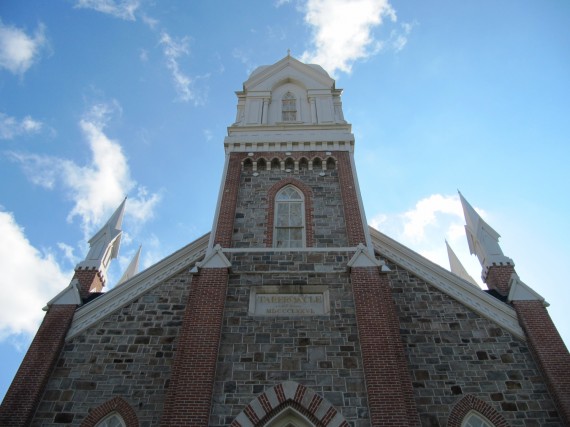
(468, 294)
(133, 288)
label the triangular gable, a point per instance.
(461, 290)
(133, 288)
(311, 76)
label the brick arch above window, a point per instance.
(272, 402)
(118, 405)
(471, 403)
(308, 195)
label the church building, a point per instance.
(292, 311)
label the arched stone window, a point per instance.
(112, 420)
(288, 107)
(289, 220)
(475, 419)
(303, 163)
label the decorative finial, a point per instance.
(288, 52)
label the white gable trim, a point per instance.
(133, 288)
(466, 293)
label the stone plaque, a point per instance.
(266, 303)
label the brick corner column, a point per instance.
(549, 352)
(498, 277)
(90, 280)
(25, 392)
(189, 396)
(388, 380)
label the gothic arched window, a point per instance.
(289, 217)
(112, 420)
(474, 419)
(289, 107)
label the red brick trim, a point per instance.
(308, 195)
(227, 212)
(548, 351)
(25, 392)
(470, 403)
(289, 395)
(498, 278)
(388, 380)
(118, 405)
(351, 205)
(189, 396)
(90, 280)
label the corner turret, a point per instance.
(483, 241)
(103, 247)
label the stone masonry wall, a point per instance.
(258, 352)
(250, 226)
(128, 355)
(453, 351)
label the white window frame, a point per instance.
(303, 226)
(289, 99)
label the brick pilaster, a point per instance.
(498, 278)
(226, 215)
(90, 280)
(352, 214)
(23, 396)
(189, 396)
(549, 352)
(388, 381)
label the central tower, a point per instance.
(290, 309)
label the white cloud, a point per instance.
(11, 127)
(173, 50)
(34, 278)
(18, 51)
(122, 9)
(208, 134)
(96, 188)
(426, 226)
(342, 31)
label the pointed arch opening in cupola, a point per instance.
(303, 163)
(248, 164)
(275, 164)
(317, 163)
(331, 163)
(261, 164)
(289, 163)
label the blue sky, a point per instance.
(100, 99)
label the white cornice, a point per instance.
(133, 288)
(247, 145)
(466, 293)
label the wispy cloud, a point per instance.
(424, 228)
(245, 59)
(173, 50)
(98, 187)
(18, 50)
(11, 127)
(39, 278)
(342, 31)
(122, 9)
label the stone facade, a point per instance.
(453, 352)
(128, 355)
(321, 352)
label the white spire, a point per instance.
(132, 269)
(104, 245)
(456, 266)
(483, 240)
